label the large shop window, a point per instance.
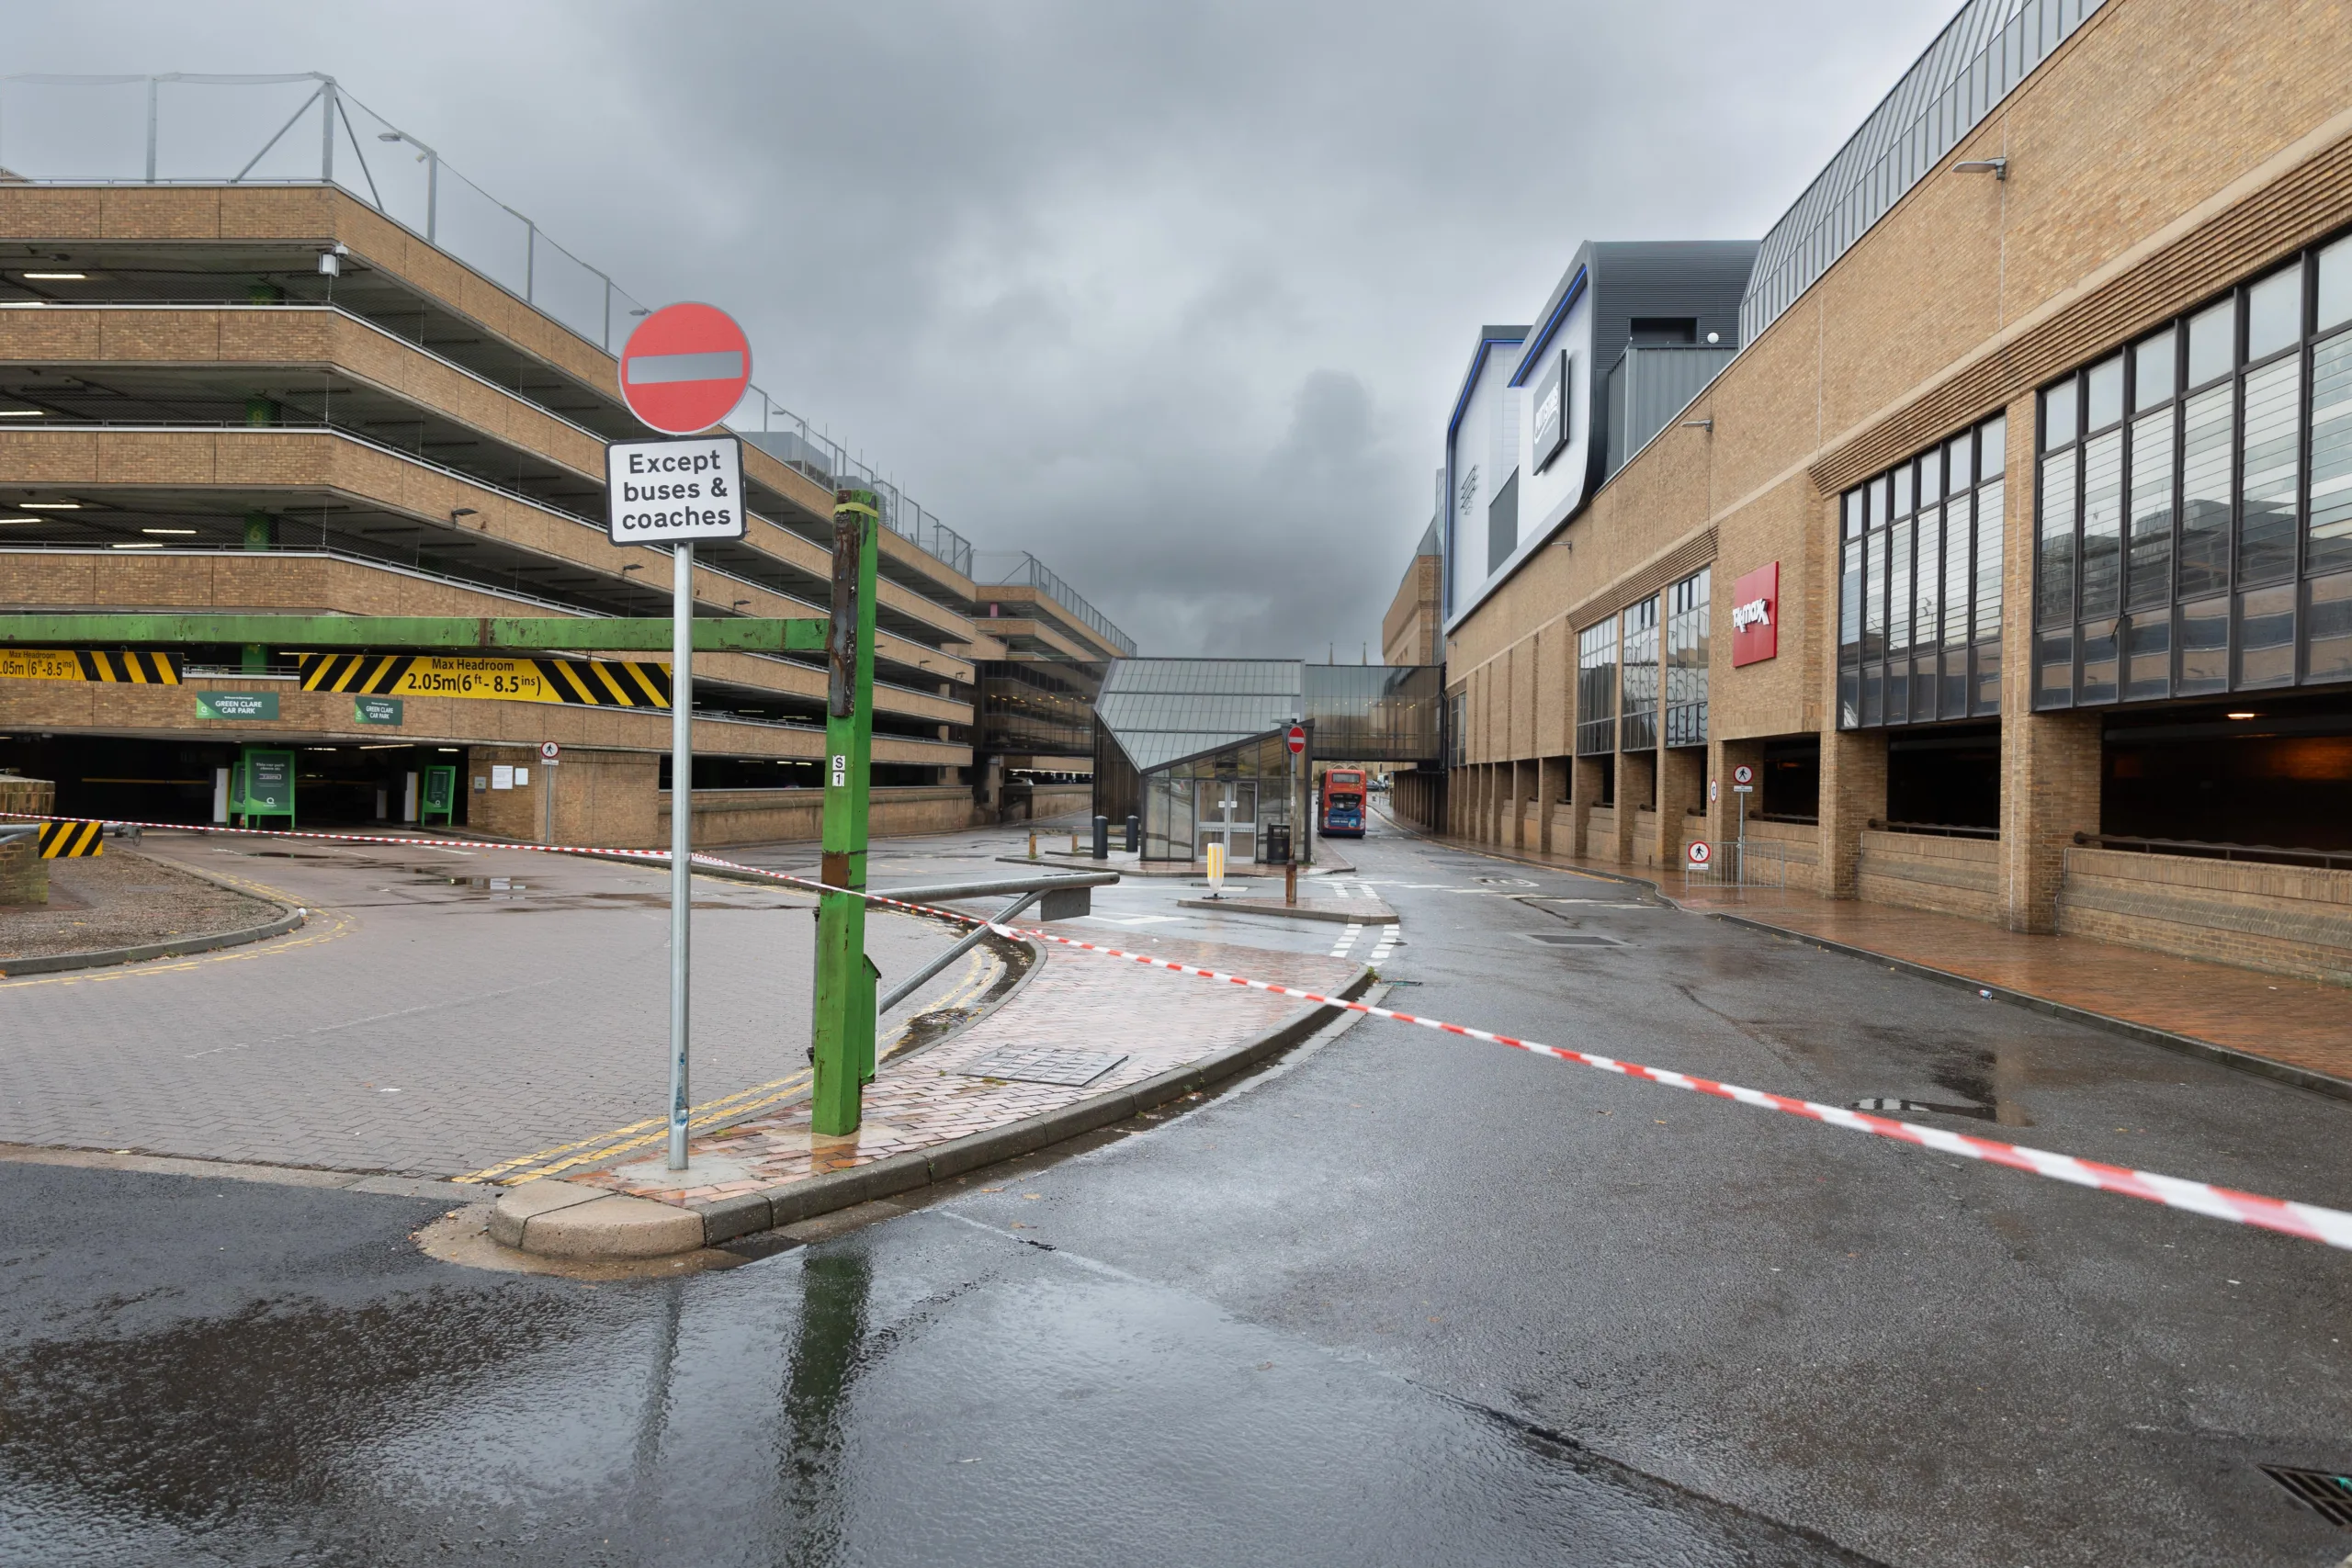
(1919, 586)
(1457, 729)
(1597, 689)
(2194, 509)
(1637, 714)
(1686, 661)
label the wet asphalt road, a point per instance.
(1401, 1299)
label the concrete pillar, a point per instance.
(1722, 812)
(1518, 838)
(1584, 793)
(1853, 791)
(1636, 788)
(2050, 791)
(1548, 797)
(1682, 784)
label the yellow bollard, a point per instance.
(1032, 843)
(1217, 871)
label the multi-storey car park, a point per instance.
(1994, 519)
(304, 387)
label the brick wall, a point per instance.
(24, 876)
(2288, 919)
(793, 816)
(1923, 871)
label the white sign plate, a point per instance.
(661, 491)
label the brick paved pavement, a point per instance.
(419, 1025)
(2303, 1023)
(1078, 1001)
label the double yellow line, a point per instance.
(588, 1151)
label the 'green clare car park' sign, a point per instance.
(376, 710)
(236, 704)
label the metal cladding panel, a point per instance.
(1701, 280)
(1648, 386)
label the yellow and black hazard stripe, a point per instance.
(587, 682)
(72, 840)
(128, 667)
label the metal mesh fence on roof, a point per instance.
(184, 128)
(1986, 49)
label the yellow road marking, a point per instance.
(324, 926)
(604, 1143)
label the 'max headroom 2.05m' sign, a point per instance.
(1755, 615)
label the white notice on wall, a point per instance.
(501, 776)
(659, 491)
(522, 777)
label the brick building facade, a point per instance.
(1920, 474)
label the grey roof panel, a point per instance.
(1162, 710)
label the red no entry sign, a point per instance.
(1296, 739)
(684, 368)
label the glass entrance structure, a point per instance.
(1196, 747)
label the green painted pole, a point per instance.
(843, 1047)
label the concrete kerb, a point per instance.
(2187, 1044)
(1369, 912)
(293, 918)
(565, 1219)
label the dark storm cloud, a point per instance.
(1175, 297)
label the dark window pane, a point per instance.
(1923, 687)
(2053, 660)
(1954, 701)
(2156, 370)
(2207, 422)
(1883, 499)
(1992, 447)
(1988, 679)
(2213, 346)
(1898, 691)
(2103, 401)
(2335, 285)
(1926, 575)
(2274, 312)
(2331, 524)
(2059, 424)
(1874, 596)
(2096, 682)
(1988, 562)
(1849, 699)
(2274, 408)
(1954, 589)
(2267, 637)
(2054, 569)
(2151, 506)
(2204, 638)
(1849, 605)
(2328, 628)
(2102, 524)
(1873, 697)
(1898, 588)
(2148, 664)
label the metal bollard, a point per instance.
(1135, 834)
(1101, 838)
(1032, 843)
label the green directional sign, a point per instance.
(440, 794)
(376, 710)
(236, 704)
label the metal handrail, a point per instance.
(1944, 830)
(2223, 849)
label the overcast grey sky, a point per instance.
(1175, 296)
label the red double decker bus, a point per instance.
(1343, 814)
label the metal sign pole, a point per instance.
(682, 830)
(843, 1051)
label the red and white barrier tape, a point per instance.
(2310, 1221)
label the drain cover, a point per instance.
(1979, 1112)
(1031, 1063)
(1571, 939)
(2330, 1495)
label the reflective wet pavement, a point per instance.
(1326, 1316)
(931, 1391)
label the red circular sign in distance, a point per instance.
(1700, 852)
(684, 368)
(1296, 739)
(1743, 774)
